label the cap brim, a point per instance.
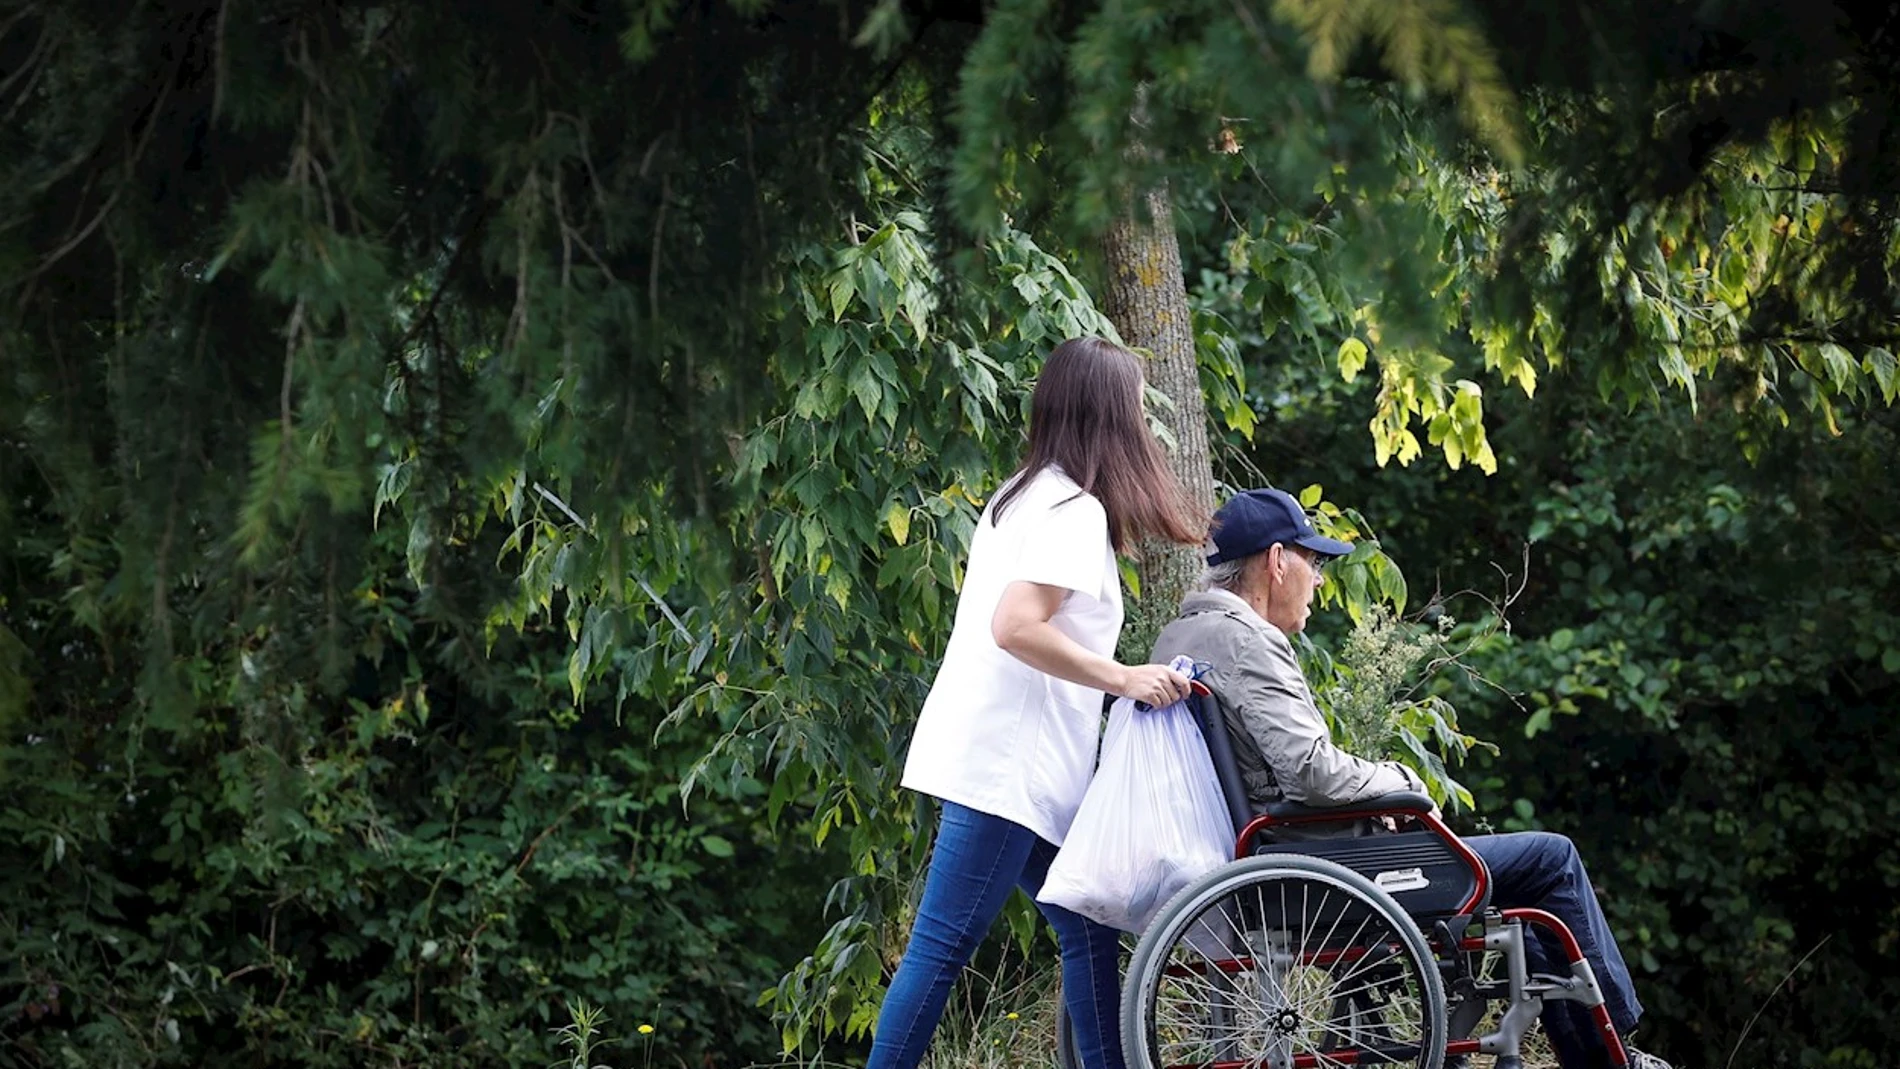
(1325, 547)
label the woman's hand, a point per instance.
(1155, 684)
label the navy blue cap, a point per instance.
(1254, 520)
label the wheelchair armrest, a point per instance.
(1396, 802)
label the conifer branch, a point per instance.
(462, 245)
(26, 91)
(217, 61)
(567, 248)
(1245, 14)
(30, 63)
(587, 160)
(529, 216)
(1425, 43)
(653, 252)
(291, 333)
(99, 217)
(14, 19)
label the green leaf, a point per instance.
(757, 454)
(1130, 578)
(421, 541)
(389, 490)
(842, 290)
(577, 666)
(886, 369)
(1881, 365)
(1352, 358)
(898, 520)
(1028, 287)
(716, 845)
(812, 530)
(838, 587)
(1391, 583)
(1733, 273)
(1311, 496)
(866, 388)
(1840, 366)
(1485, 459)
(876, 240)
(1352, 583)
(1467, 408)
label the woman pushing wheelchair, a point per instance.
(1008, 735)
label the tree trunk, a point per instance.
(1147, 302)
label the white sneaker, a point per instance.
(1640, 1060)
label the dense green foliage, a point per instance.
(431, 884)
(483, 487)
(311, 312)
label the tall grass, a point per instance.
(1007, 1020)
(1004, 1019)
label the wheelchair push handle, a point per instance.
(1192, 669)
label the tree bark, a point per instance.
(1147, 302)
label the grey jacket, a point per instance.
(1280, 738)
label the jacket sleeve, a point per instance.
(1259, 677)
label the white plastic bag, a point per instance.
(1152, 822)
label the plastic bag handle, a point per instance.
(1195, 687)
(1190, 668)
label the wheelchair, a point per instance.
(1338, 951)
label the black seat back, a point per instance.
(1220, 748)
(1426, 874)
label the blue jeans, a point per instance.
(1542, 870)
(977, 861)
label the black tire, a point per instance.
(1329, 965)
(1066, 1057)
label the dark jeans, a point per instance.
(978, 859)
(1542, 870)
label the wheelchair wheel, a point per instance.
(1066, 1057)
(1283, 962)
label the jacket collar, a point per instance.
(1218, 600)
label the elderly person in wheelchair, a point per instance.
(1307, 798)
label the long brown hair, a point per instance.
(1086, 418)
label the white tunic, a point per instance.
(995, 734)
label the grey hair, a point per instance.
(1224, 576)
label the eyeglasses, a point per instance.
(1314, 561)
